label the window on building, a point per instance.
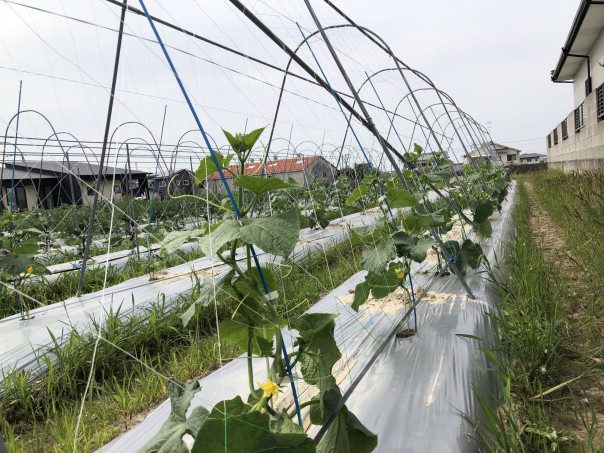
(90, 191)
(600, 101)
(549, 141)
(565, 129)
(117, 189)
(556, 136)
(162, 184)
(185, 182)
(579, 118)
(19, 199)
(511, 157)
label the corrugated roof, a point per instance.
(531, 155)
(78, 168)
(271, 167)
(23, 175)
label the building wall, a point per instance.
(583, 150)
(514, 156)
(532, 160)
(30, 197)
(597, 71)
(106, 191)
(502, 155)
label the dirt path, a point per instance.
(585, 337)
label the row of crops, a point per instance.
(275, 208)
(267, 306)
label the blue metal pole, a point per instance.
(229, 193)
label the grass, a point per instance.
(575, 202)
(66, 285)
(41, 415)
(550, 344)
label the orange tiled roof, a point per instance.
(274, 166)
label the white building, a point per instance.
(532, 158)
(578, 141)
(506, 154)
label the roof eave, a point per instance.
(570, 39)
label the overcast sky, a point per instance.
(492, 57)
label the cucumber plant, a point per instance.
(257, 423)
(388, 250)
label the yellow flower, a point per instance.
(317, 208)
(270, 388)
(399, 273)
(262, 411)
(30, 269)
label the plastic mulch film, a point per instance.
(25, 341)
(418, 392)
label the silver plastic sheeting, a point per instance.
(418, 391)
(116, 259)
(23, 342)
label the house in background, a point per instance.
(303, 170)
(183, 182)
(506, 154)
(532, 158)
(578, 141)
(48, 184)
(424, 162)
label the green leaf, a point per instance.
(208, 167)
(371, 232)
(400, 198)
(438, 218)
(318, 349)
(347, 434)
(242, 143)
(482, 211)
(247, 433)
(382, 284)
(237, 332)
(269, 278)
(357, 193)
(233, 407)
(361, 294)
(285, 425)
(412, 247)
(483, 229)
(169, 437)
(209, 289)
(259, 185)
(227, 231)
(30, 247)
(418, 251)
(173, 240)
(328, 400)
(376, 257)
(470, 254)
(445, 163)
(16, 264)
(277, 235)
(431, 178)
(361, 439)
